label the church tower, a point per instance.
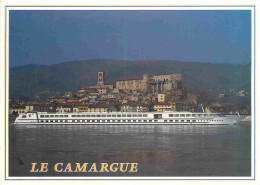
(100, 78)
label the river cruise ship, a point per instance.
(127, 118)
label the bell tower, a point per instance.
(100, 78)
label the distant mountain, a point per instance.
(29, 80)
(14, 71)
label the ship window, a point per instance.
(193, 120)
(123, 115)
(118, 115)
(188, 115)
(73, 115)
(23, 116)
(177, 115)
(188, 120)
(129, 115)
(56, 116)
(176, 120)
(46, 116)
(108, 115)
(170, 115)
(165, 120)
(139, 115)
(103, 115)
(145, 115)
(52, 116)
(42, 116)
(182, 115)
(93, 115)
(98, 115)
(78, 115)
(134, 115)
(182, 120)
(63, 116)
(113, 115)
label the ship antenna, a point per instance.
(202, 108)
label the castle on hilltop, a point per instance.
(150, 83)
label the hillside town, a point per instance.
(153, 92)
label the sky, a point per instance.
(50, 37)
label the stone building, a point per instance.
(101, 82)
(161, 97)
(152, 83)
(130, 85)
(161, 83)
(101, 78)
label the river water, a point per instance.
(167, 150)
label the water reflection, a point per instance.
(167, 150)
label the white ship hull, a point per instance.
(126, 118)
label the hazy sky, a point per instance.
(48, 37)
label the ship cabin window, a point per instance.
(177, 115)
(182, 115)
(134, 115)
(194, 120)
(73, 115)
(145, 115)
(139, 115)
(52, 116)
(194, 115)
(200, 115)
(42, 116)
(182, 120)
(98, 115)
(103, 115)
(206, 115)
(170, 115)
(118, 115)
(108, 115)
(188, 115)
(113, 115)
(129, 115)
(24, 116)
(123, 115)
(56, 116)
(62, 116)
(46, 116)
(157, 116)
(66, 116)
(188, 120)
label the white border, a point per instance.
(134, 8)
